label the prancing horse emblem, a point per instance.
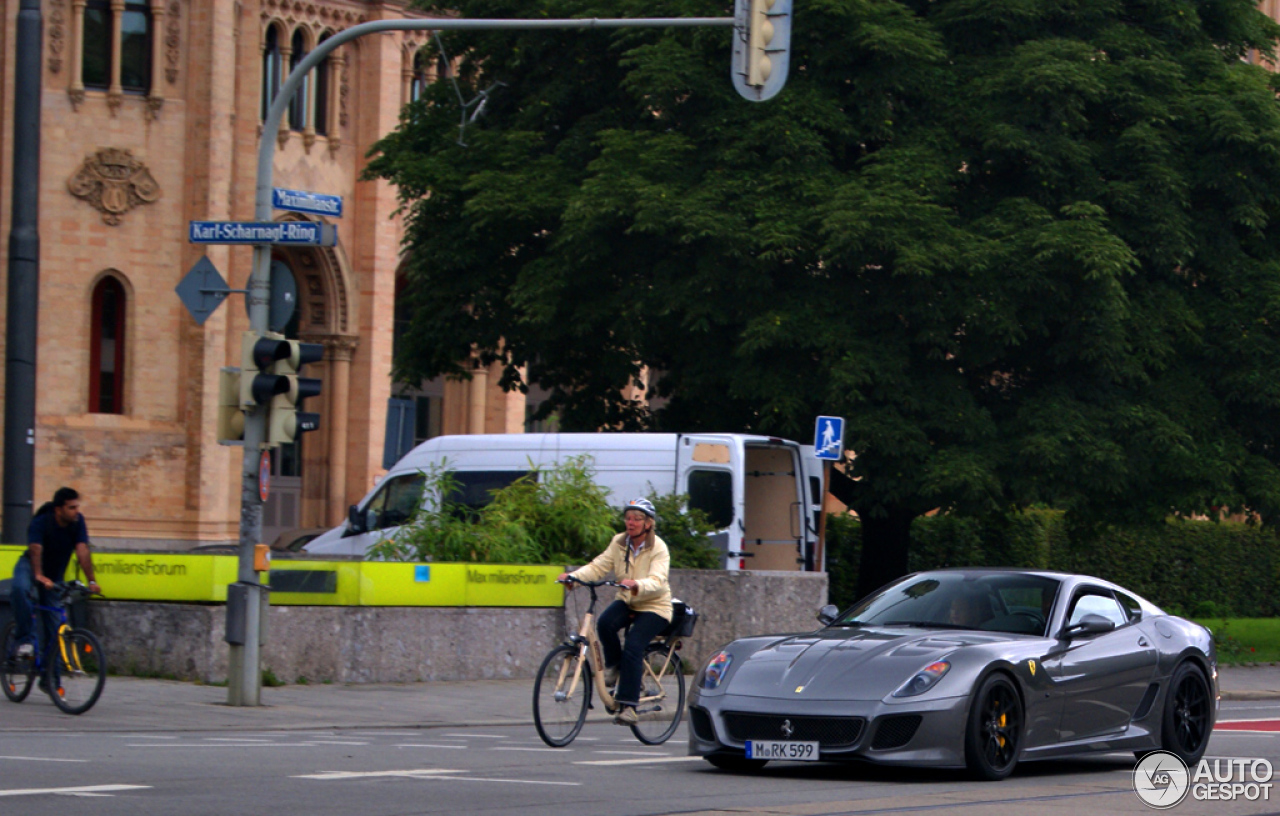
(787, 730)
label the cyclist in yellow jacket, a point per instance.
(638, 560)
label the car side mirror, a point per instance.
(828, 614)
(357, 520)
(1088, 625)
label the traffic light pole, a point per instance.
(244, 681)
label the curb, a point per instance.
(1243, 696)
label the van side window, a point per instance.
(476, 487)
(396, 502)
(711, 491)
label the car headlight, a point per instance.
(924, 680)
(716, 669)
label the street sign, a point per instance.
(291, 233)
(202, 290)
(303, 202)
(828, 438)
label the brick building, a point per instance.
(151, 117)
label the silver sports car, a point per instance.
(966, 668)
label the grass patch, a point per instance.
(1242, 641)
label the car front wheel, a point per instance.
(1186, 714)
(993, 738)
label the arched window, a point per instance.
(106, 351)
(418, 84)
(298, 105)
(322, 95)
(270, 70)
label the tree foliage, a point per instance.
(1028, 249)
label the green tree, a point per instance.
(1028, 249)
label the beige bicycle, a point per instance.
(562, 690)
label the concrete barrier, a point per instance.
(409, 644)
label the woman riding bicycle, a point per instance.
(638, 560)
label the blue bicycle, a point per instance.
(72, 671)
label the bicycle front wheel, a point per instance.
(560, 696)
(661, 696)
(77, 670)
(16, 674)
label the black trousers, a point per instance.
(628, 657)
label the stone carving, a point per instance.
(113, 182)
(344, 86)
(154, 104)
(57, 34)
(173, 41)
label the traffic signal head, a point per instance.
(230, 415)
(761, 48)
(285, 422)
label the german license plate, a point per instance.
(794, 751)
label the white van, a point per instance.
(763, 494)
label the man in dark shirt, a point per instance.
(57, 531)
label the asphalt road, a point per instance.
(506, 770)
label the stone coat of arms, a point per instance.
(114, 182)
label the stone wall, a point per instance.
(409, 644)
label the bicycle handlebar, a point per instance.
(572, 580)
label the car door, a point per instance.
(709, 472)
(1102, 677)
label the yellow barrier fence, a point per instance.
(191, 578)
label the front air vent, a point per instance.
(895, 732)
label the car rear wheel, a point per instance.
(1186, 714)
(729, 762)
(993, 738)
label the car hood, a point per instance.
(837, 664)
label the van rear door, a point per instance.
(709, 471)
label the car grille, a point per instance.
(828, 732)
(700, 722)
(895, 732)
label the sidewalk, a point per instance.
(134, 704)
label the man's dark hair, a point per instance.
(64, 495)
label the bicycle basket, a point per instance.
(683, 619)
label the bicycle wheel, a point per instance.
(77, 670)
(559, 714)
(661, 702)
(16, 675)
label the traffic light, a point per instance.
(761, 45)
(269, 377)
(230, 415)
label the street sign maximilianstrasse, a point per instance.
(296, 233)
(304, 202)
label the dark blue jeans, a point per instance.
(20, 601)
(628, 657)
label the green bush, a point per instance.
(551, 516)
(1211, 569)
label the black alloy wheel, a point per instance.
(993, 739)
(1187, 714)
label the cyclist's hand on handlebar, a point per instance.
(627, 583)
(568, 580)
(45, 581)
(94, 589)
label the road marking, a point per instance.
(476, 736)
(238, 739)
(235, 745)
(140, 736)
(427, 745)
(322, 741)
(1268, 725)
(427, 773)
(515, 748)
(43, 759)
(637, 761)
(80, 790)
(633, 753)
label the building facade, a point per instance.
(151, 117)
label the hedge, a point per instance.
(1201, 568)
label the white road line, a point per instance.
(238, 739)
(85, 789)
(427, 745)
(140, 736)
(636, 761)
(323, 741)
(234, 745)
(43, 759)
(633, 753)
(477, 736)
(516, 748)
(430, 773)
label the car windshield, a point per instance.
(1012, 602)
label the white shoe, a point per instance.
(627, 716)
(25, 651)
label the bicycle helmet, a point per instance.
(644, 506)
